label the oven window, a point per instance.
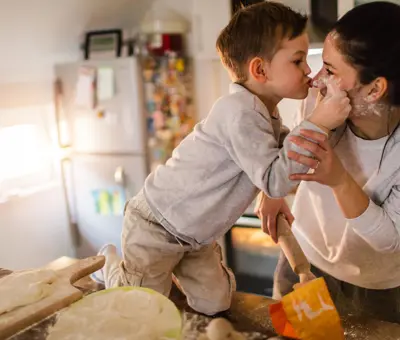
(252, 255)
(252, 240)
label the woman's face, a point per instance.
(346, 76)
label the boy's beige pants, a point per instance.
(151, 255)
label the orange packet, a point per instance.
(307, 313)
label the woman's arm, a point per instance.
(375, 224)
(378, 225)
(351, 198)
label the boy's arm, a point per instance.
(253, 147)
(283, 134)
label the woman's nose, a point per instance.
(319, 81)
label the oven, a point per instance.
(251, 254)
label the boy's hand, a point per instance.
(328, 169)
(333, 110)
(267, 209)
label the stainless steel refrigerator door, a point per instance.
(114, 125)
(94, 178)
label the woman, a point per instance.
(347, 213)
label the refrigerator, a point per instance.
(117, 120)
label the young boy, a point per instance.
(171, 226)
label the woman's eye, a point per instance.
(298, 62)
(329, 72)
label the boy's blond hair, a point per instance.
(257, 31)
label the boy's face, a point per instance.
(288, 70)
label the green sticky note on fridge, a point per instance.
(105, 83)
(104, 203)
(118, 202)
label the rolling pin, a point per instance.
(291, 248)
(321, 319)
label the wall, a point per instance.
(299, 5)
(34, 228)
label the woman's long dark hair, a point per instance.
(368, 38)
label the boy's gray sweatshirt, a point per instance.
(218, 169)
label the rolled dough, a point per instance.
(120, 313)
(24, 288)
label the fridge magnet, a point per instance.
(175, 107)
(101, 202)
(158, 94)
(158, 118)
(150, 125)
(174, 123)
(118, 202)
(150, 89)
(151, 106)
(180, 65)
(109, 202)
(148, 74)
(100, 114)
(84, 93)
(103, 44)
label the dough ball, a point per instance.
(220, 329)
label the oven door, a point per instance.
(252, 256)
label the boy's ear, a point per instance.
(258, 69)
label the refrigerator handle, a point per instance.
(58, 109)
(120, 179)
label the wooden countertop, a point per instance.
(249, 313)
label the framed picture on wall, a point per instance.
(103, 44)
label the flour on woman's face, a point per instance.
(362, 105)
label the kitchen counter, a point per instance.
(248, 314)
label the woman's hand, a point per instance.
(328, 169)
(268, 209)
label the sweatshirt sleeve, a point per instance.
(283, 134)
(379, 226)
(252, 145)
